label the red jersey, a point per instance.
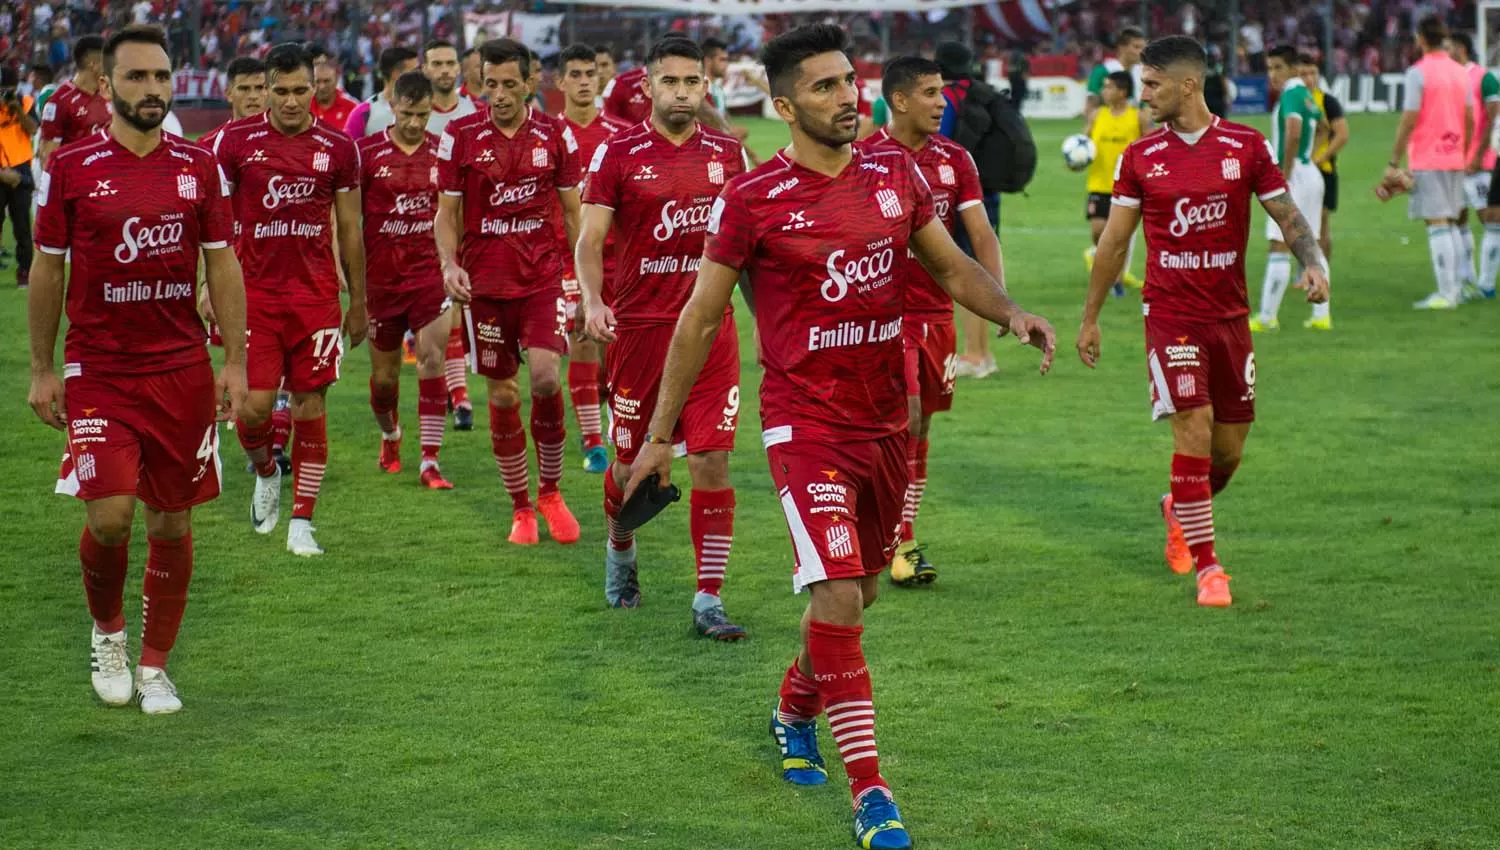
(954, 179)
(400, 203)
(72, 113)
(134, 225)
(509, 186)
(821, 255)
(661, 194)
(590, 137)
(1195, 203)
(283, 189)
(335, 114)
(625, 99)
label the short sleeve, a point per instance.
(569, 174)
(347, 177)
(734, 164)
(1411, 90)
(354, 128)
(54, 229)
(1332, 108)
(1096, 78)
(228, 164)
(1266, 174)
(604, 179)
(731, 231)
(969, 190)
(923, 208)
(1489, 87)
(215, 214)
(449, 155)
(52, 123)
(1127, 181)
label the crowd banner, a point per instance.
(542, 33)
(778, 7)
(1251, 94)
(1051, 97)
(194, 84)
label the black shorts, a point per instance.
(1097, 206)
(1331, 191)
(1493, 199)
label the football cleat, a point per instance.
(265, 504)
(1213, 588)
(390, 453)
(523, 530)
(463, 418)
(596, 460)
(110, 667)
(409, 349)
(714, 623)
(560, 521)
(1317, 324)
(800, 762)
(283, 461)
(966, 368)
(1434, 302)
(432, 478)
(910, 566)
(622, 588)
(1131, 280)
(156, 692)
(299, 538)
(877, 822)
(1470, 292)
(1486, 294)
(1257, 326)
(1179, 556)
(1088, 257)
(1118, 290)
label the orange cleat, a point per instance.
(1213, 588)
(409, 350)
(523, 528)
(560, 522)
(432, 478)
(390, 455)
(1179, 556)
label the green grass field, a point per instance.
(426, 685)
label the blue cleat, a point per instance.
(596, 460)
(800, 762)
(877, 823)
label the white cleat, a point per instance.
(299, 539)
(265, 505)
(155, 691)
(111, 667)
(1435, 302)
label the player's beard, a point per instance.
(445, 86)
(675, 120)
(132, 114)
(829, 133)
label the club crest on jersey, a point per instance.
(320, 161)
(85, 467)
(840, 541)
(716, 172)
(890, 203)
(187, 187)
(1158, 169)
(946, 175)
(1187, 385)
(1231, 169)
(539, 157)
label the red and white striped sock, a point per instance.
(549, 433)
(164, 594)
(838, 664)
(432, 401)
(916, 487)
(800, 702)
(583, 391)
(508, 442)
(383, 403)
(1192, 502)
(712, 528)
(614, 497)
(309, 460)
(455, 370)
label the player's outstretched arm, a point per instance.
(225, 286)
(976, 289)
(1109, 262)
(588, 264)
(348, 208)
(691, 340)
(44, 304)
(1299, 237)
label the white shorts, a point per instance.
(1306, 188)
(1477, 190)
(1436, 195)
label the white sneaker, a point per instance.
(299, 539)
(984, 368)
(265, 505)
(1434, 302)
(111, 667)
(155, 691)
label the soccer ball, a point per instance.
(1078, 152)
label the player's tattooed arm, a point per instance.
(1299, 237)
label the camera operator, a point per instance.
(17, 123)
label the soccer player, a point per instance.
(135, 207)
(1113, 126)
(913, 88)
(625, 97)
(1437, 110)
(293, 181)
(1293, 132)
(378, 112)
(818, 229)
(509, 182)
(403, 281)
(578, 78)
(1128, 45)
(78, 108)
(1192, 181)
(656, 183)
(1333, 135)
(472, 86)
(604, 60)
(330, 104)
(1481, 155)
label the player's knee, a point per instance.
(505, 394)
(870, 589)
(1193, 430)
(710, 470)
(385, 378)
(545, 385)
(168, 526)
(307, 405)
(110, 526)
(1227, 457)
(838, 601)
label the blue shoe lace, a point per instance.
(800, 762)
(877, 823)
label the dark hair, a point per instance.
(86, 46)
(603, 48)
(44, 71)
(1463, 38)
(711, 44)
(498, 51)
(316, 51)
(1306, 59)
(1432, 30)
(783, 55)
(243, 65)
(467, 53)
(436, 44)
(674, 45)
(901, 73)
(285, 58)
(1285, 53)
(1123, 81)
(575, 53)
(391, 59)
(1172, 50)
(133, 34)
(1129, 34)
(412, 86)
